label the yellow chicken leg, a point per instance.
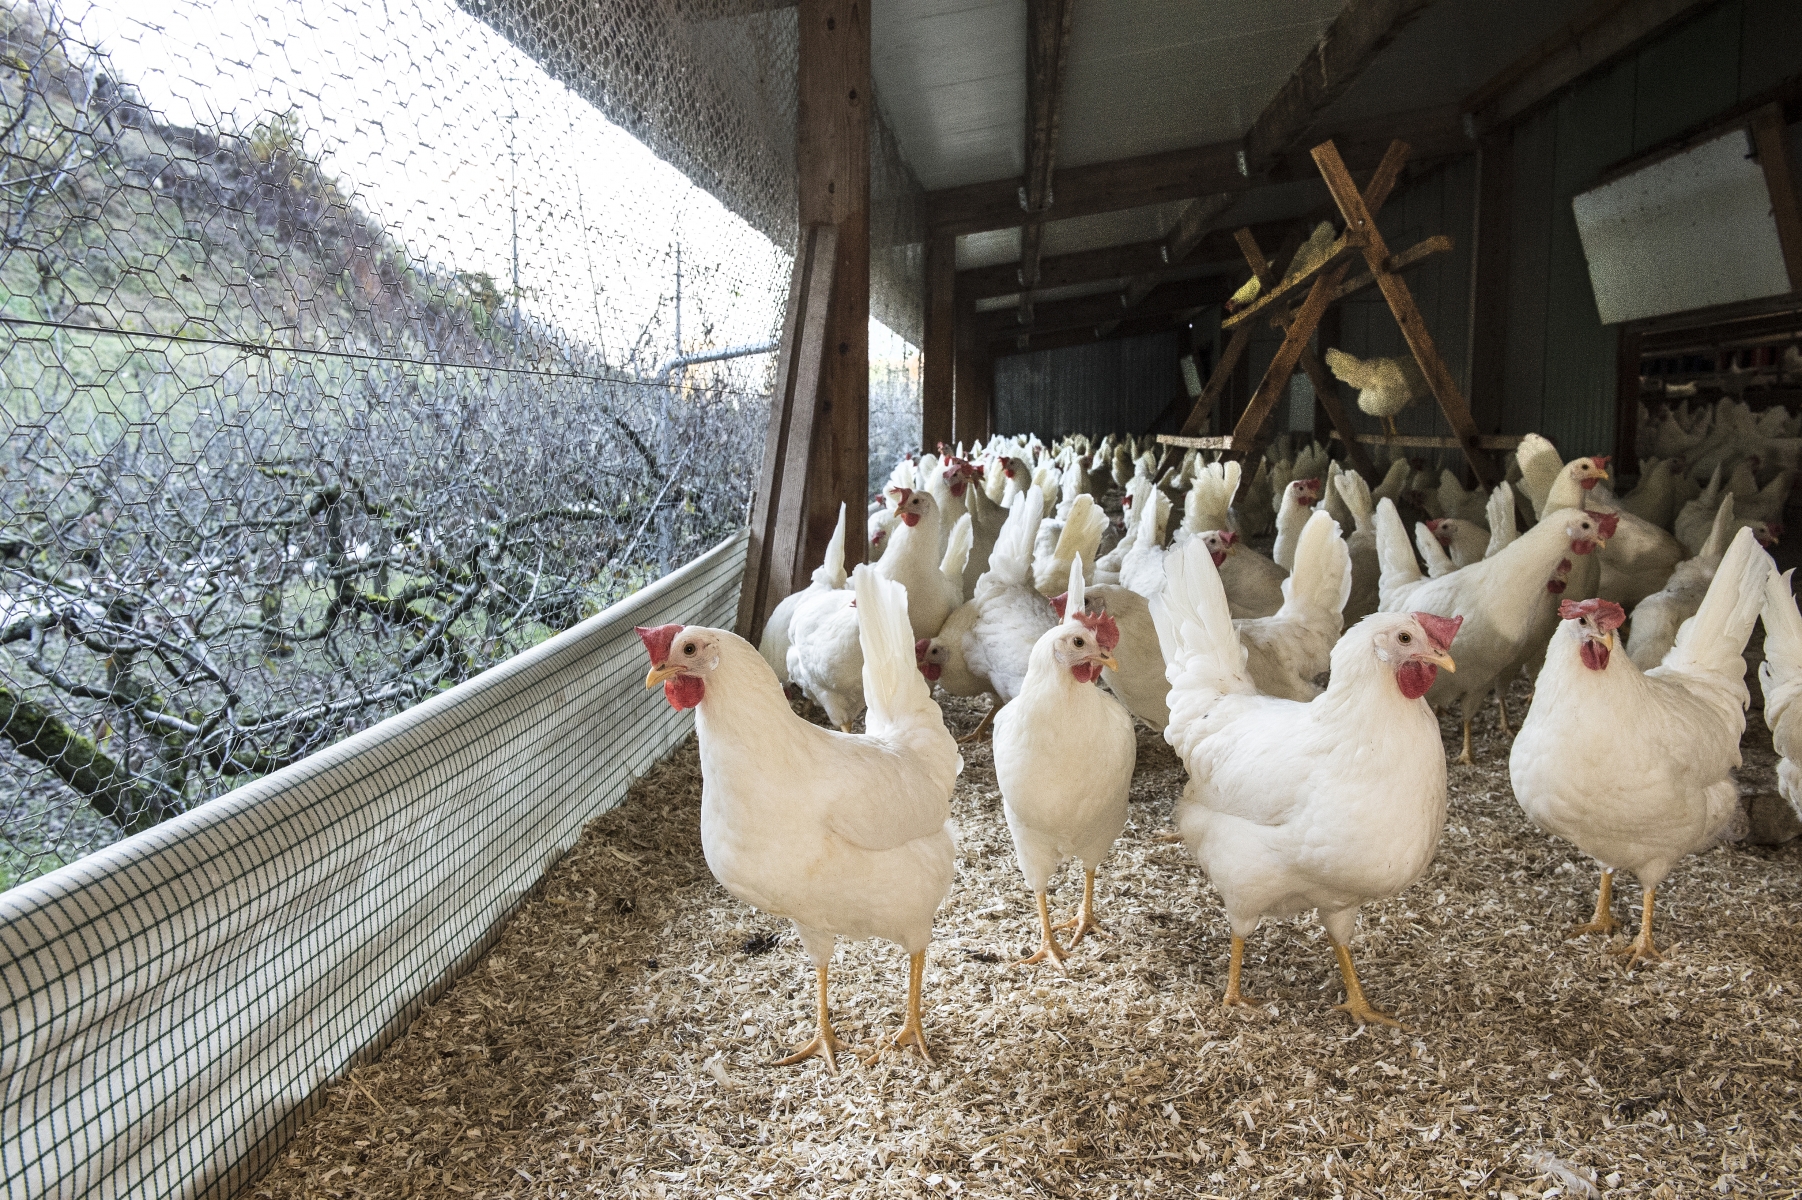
(1084, 921)
(1355, 1005)
(825, 1043)
(1465, 759)
(1389, 425)
(1234, 997)
(1501, 712)
(913, 1033)
(1641, 947)
(1048, 950)
(1604, 922)
(975, 733)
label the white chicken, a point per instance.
(1362, 543)
(914, 560)
(1657, 618)
(1142, 569)
(1449, 543)
(1254, 583)
(1064, 756)
(1385, 386)
(1502, 598)
(1636, 767)
(1639, 557)
(1780, 682)
(1138, 678)
(1078, 537)
(829, 576)
(1289, 807)
(1286, 650)
(1299, 498)
(845, 835)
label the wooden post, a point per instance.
(1486, 364)
(940, 350)
(975, 374)
(1249, 438)
(1770, 136)
(832, 158)
(1361, 224)
(778, 512)
(1626, 401)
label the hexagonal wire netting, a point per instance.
(348, 349)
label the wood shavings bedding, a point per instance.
(617, 1039)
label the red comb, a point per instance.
(1608, 615)
(1228, 536)
(657, 639)
(1601, 460)
(903, 494)
(1608, 523)
(1434, 524)
(1102, 625)
(1440, 630)
(1059, 602)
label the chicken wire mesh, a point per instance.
(349, 348)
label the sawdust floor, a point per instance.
(617, 1039)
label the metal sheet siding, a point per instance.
(1122, 385)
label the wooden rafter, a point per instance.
(1047, 52)
(1173, 297)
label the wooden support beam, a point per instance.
(778, 511)
(1184, 174)
(1602, 32)
(1047, 52)
(975, 374)
(1491, 249)
(1249, 436)
(1626, 400)
(1770, 136)
(832, 157)
(1412, 441)
(1176, 296)
(937, 380)
(1361, 223)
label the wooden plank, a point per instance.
(1195, 443)
(1047, 53)
(778, 510)
(1176, 296)
(975, 374)
(1249, 437)
(1361, 223)
(940, 349)
(832, 157)
(1184, 174)
(1626, 400)
(1491, 254)
(1605, 31)
(1770, 135)
(1412, 441)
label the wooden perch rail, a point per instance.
(1410, 441)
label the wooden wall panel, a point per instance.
(1121, 385)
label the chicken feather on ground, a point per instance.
(1636, 767)
(1502, 597)
(1780, 682)
(1289, 807)
(829, 576)
(846, 835)
(1064, 756)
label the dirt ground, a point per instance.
(617, 1039)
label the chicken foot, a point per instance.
(1084, 921)
(1501, 711)
(983, 724)
(825, 1044)
(1356, 1006)
(1641, 947)
(1234, 997)
(1049, 950)
(1464, 759)
(1604, 922)
(913, 1033)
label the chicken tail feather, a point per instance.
(833, 569)
(1321, 582)
(1711, 643)
(1394, 554)
(1780, 675)
(893, 687)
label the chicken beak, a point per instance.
(1444, 660)
(1110, 662)
(660, 673)
(1608, 640)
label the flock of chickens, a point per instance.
(1299, 689)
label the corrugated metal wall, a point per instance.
(1118, 386)
(1560, 358)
